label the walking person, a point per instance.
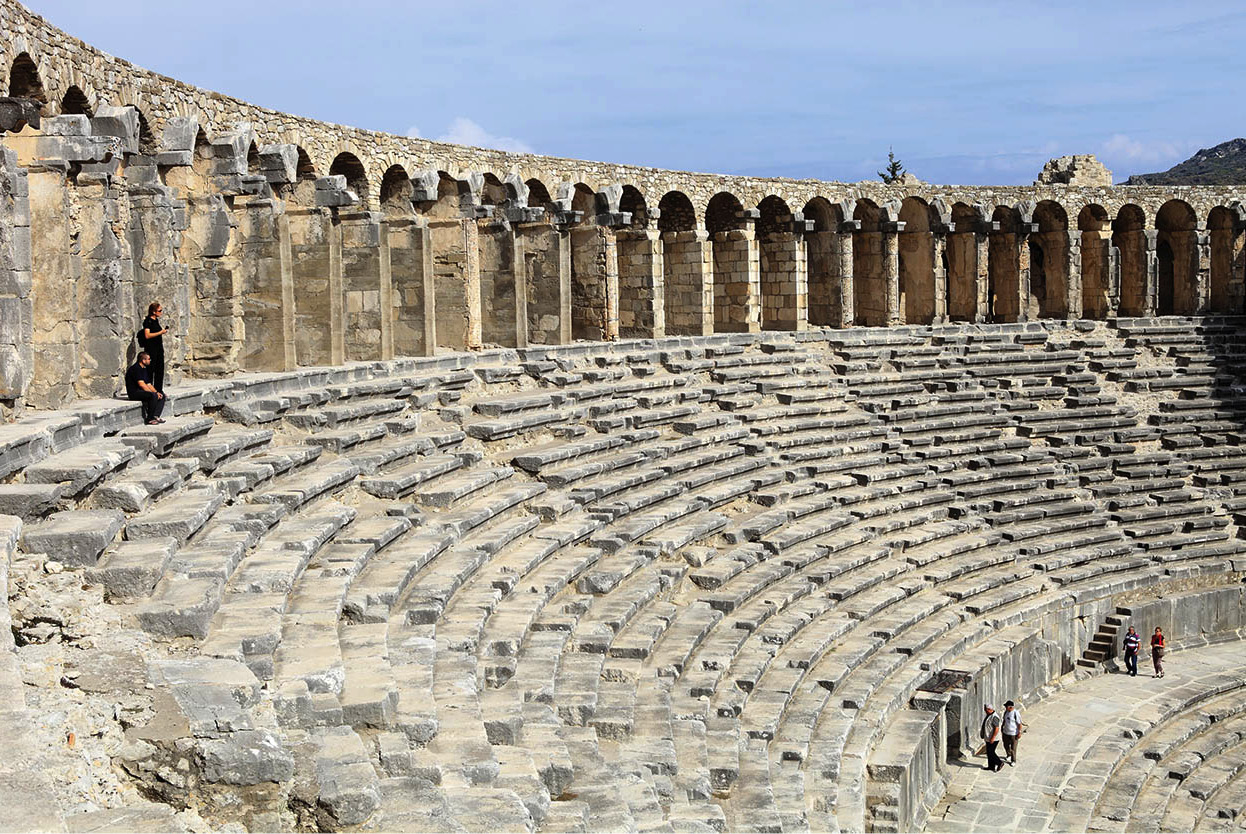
(990, 736)
(1157, 651)
(138, 386)
(1132, 642)
(151, 339)
(1011, 728)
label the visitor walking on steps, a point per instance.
(1132, 642)
(991, 723)
(1011, 728)
(151, 339)
(138, 386)
(1157, 651)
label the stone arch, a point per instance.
(594, 269)
(396, 191)
(348, 165)
(1098, 300)
(869, 274)
(584, 201)
(916, 260)
(824, 248)
(675, 213)
(783, 283)
(966, 262)
(1226, 255)
(1129, 241)
(24, 80)
(1177, 286)
(1049, 260)
(689, 289)
(1004, 270)
(76, 103)
(633, 202)
(735, 265)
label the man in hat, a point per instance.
(990, 736)
(1011, 728)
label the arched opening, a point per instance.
(823, 246)
(538, 194)
(499, 311)
(1092, 223)
(584, 202)
(735, 268)
(396, 191)
(1129, 241)
(917, 266)
(76, 103)
(1049, 258)
(253, 159)
(633, 202)
(689, 290)
(448, 233)
(1226, 250)
(346, 164)
(24, 81)
(966, 262)
(784, 293)
(1177, 226)
(1004, 269)
(869, 278)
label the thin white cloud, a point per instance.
(1127, 149)
(413, 132)
(464, 131)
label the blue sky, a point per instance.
(965, 93)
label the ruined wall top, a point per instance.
(63, 62)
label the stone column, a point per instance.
(847, 298)
(982, 259)
(1022, 241)
(689, 282)
(1073, 277)
(473, 334)
(785, 277)
(939, 242)
(311, 246)
(595, 282)
(17, 354)
(1202, 279)
(1151, 256)
(519, 268)
(289, 353)
(1237, 269)
(1114, 279)
(642, 309)
(411, 314)
(890, 231)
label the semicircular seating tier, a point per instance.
(731, 582)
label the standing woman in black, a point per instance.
(153, 343)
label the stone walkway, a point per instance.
(1047, 791)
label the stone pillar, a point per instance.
(410, 258)
(546, 280)
(689, 283)
(890, 231)
(1025, 311)
(737, 278)
(260, 273)
(311, 258)
(847, 296)
(102, 296)
(1114, 279)
(1073, 277)
(362, 277)
(499, 284)
(1237, 268)
(473, 335)
(1151, 257)
(1202, 279)
(289, 353)
(939, 242)
(337, 300)
(17, 355)
(982, 260)
(594, 282)
(642, 309)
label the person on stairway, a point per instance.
(139, 386)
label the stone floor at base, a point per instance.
(1059, 731)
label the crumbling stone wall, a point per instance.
(16, 315)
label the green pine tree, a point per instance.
(895, 169)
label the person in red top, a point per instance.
(1157, 651)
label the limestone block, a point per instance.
(118, 122)
(279, 163)
(16, 113)
(177, 141)
(75, 537)
(249, 757)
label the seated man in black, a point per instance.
(138, 386)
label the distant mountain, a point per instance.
(1225, 164)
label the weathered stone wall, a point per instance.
(16, 336)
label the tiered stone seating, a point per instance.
(700, 583)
